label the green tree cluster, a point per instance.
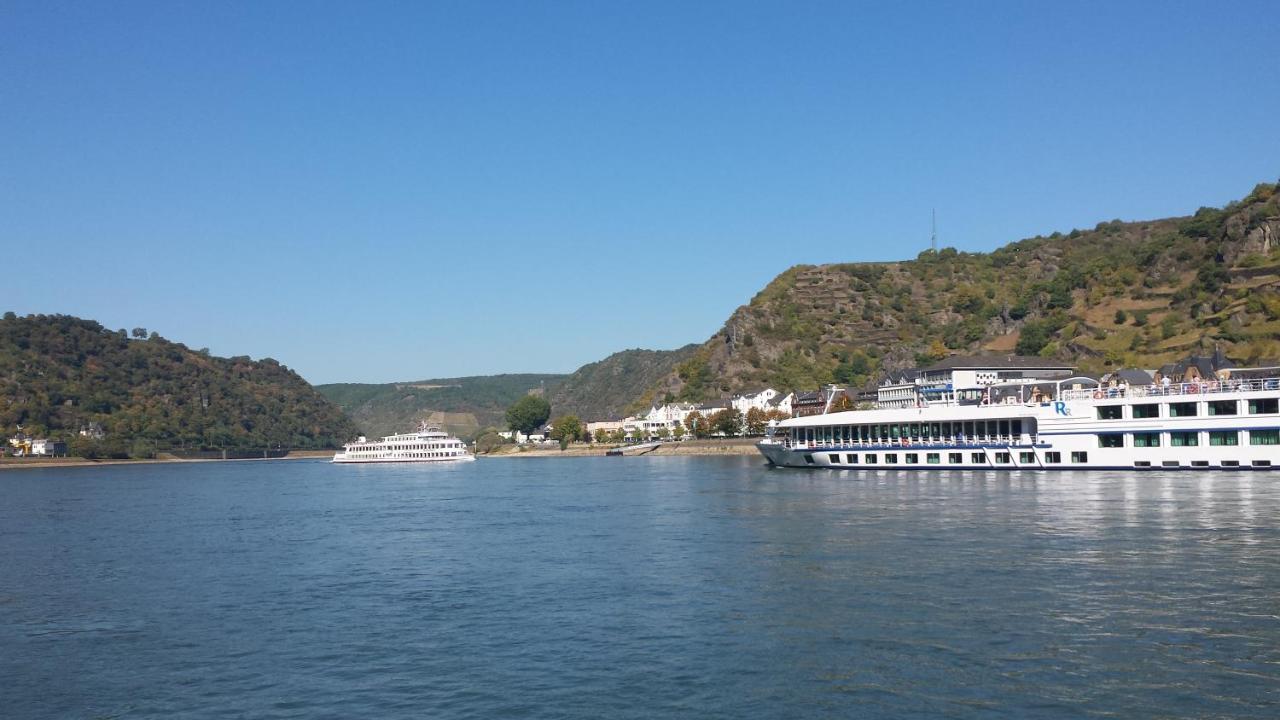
(528, 414)
(567, 429)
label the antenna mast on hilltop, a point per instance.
(933, 237)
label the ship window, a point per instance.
(1184, 439)
(1004, 428)
(977, 458)
(834, 458)
(808, 459)
(871, 458)
(1230, 463)
(933, 458)
(1262, 463)
(1142, 463)
(912, 458)
(1016, 426)
(1171, 463)
(1185, 409)
(891, 458)
(1003, 457)
(1199, 463)
(1149, 410)
(1053, 457)
(1110, 412)
(1224, 437)
(1146, 439)
(1111, 441)
(1026, 457)
(1265, 406)
(1079, 457)
(1264, 437)
(955, 458)
(1223, 407)
(853, 458)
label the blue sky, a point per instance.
(390, 191)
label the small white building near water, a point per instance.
(521, 439)
(48, 448)
(757, 400)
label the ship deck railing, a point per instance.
(1203, 387)
(957, 444)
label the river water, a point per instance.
(635, 588)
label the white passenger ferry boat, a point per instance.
(1232, 424)
(428, 444)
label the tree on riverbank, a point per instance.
(528, 414)
(567, 429)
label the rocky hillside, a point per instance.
(1123, 293)
(59, 374)
(618, 384)
(460, 405)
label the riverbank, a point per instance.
(735, 446)
(12, 463)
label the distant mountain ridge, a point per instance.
(617, 384)
(460, 405)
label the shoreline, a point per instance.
(35, 463)
(688, 448)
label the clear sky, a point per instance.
(393, 191)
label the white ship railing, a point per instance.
(1207, 387)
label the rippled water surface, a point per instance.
(635, 588)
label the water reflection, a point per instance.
(657, 587)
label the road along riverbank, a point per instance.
(63, 462)
(734, 446)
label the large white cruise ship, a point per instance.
(1218, 424)
(427, 444)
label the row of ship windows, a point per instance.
(977, 458)
(1001, 458)
(446, 454)
(1140, 411)
(1189, 439)
(423, 446)
(893, 432)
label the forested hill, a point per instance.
(616, 385)
(1121, 294)
(460, 405)
(59, 373)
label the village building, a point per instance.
(781, 403)
(756, 400)
(817, 402)
(48, 448)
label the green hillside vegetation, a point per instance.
(616, 385)
(459, 405)
(1121, 294)
(60, 373)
